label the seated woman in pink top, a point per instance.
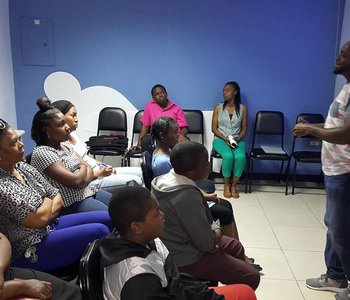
(158, 107)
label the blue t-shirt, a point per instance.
(161, 164)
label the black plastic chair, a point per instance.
(135, 130)
(195, 122)
(146, 166)
(111, 119)
(304, 156)
(90, 277)
(267, 123)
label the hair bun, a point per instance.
(44, 103)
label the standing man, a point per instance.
(335, 134)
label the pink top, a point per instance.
(153, 111)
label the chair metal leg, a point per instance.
(281, 170)
(246, 176)
(211, 168)
(287, 175)
(123, 162)
(250, 174)
(294, 175)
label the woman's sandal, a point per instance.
(234, 193)
(227, 191)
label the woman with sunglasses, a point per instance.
(29, 207)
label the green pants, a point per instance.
(230, 156)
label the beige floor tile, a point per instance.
(278, 200)
(257, 236)
(291, 217)
(271, 226)
(293, 238)
(314, 295)
(244, 199)
(274, 289)
(314, 201)
(319, 214)
(305, 264)
(273, 262)
(311, 189)
(249, 215)
(269, 188)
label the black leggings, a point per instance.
(222, 211)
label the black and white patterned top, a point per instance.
(17, 200)
(45, 156)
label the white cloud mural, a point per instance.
(89, 101)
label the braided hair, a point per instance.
(161, 124)
(41, 119)
(237, 100)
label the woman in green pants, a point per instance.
(230, 122)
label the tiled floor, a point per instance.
(286, 236)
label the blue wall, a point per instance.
(281, 52)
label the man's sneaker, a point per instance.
(324, 283)
(343, 295)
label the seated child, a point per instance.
(196, 242)
(136, 264)
(164, 132)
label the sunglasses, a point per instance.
(2, 124)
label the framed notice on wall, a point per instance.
(37, 41)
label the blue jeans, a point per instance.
(65, 244)
(98, 202)
(337, 220)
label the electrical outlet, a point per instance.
(315, 143)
